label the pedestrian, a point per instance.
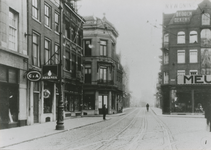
(104, 112)
(147, 106)
(208, 115)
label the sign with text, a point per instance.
(196, 79)
(33, 76)
(50, 72)
(182, 16)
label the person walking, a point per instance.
(104, 112)
(208, 116)
(147, 106)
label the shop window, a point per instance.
(89, 102)
(181, 56)
(166, 58)
(181, 37)
(205, 19)
(12, 75)
(48, 97)
(193, 38)
(193, 56)
(206, 37)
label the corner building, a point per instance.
(186, 65)
(103, 72)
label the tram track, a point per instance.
(99, 132)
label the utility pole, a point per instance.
(60, 117)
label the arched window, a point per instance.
(206, 37)
(193, 38)
(181, 37)
(205, 19)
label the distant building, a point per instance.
(103, 72)
(13, 63)
(186, 65)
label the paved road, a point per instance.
(137, 129)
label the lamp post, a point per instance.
(60, 115)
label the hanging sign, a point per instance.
(46, 93)
(50, 72)
(34, 75)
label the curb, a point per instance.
(46, 135)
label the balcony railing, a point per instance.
(108, 82)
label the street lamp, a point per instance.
(60, 117)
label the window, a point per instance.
(181, 37)
(35, 9)
(73, 65)
(193, 72)
(166, 40)
(180, 72)
(181, 56)
(206, 37)
(47, 51)
(166, 58)
(193, 38)
(56, 22)
(67, 60)
(47, 15)
(205, 19)
(88, 72)
(165, 78)
(13, 30)
(35, 49)
(103, 74)
(193, 56)
(67, 29)
(88, 47)
(103, 48)
(57, 59)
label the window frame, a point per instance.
(179, 58)
(57, 25)
(47, 51)
(13, 30)
(166, 58)
(47, 15)
(181, 37)
(103, 48)
(36, 8)
(193, 37)
(193, 50)
(205, 19)
(37, 44)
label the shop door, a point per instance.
(103, 99)
(4, 117)
(36, 107)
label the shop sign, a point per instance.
(196, 79)
(46, 93)
(50, 72)
(34, 75)
(182, 17)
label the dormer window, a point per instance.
(205, 19)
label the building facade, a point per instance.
(54, 29)
(103, 72)
(13, 63)
(186, 65)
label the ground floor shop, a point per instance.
(93, 101)
(185, 99)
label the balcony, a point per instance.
(105, 82)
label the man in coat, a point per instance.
(104, 112)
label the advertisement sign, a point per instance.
(50, 72)
(182, 16)
(196, 79)
(33, 75)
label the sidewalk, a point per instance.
(17, 135)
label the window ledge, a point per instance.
(35, 19)
(48, 27)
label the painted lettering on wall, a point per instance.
(182, 16)
(196, 79)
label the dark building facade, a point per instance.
(103, 72)
(45, 25)
(186, 65)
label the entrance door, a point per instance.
(103, 99)
(36, 107)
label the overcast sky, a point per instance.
(139, 25)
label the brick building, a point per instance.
(186, 65)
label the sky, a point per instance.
(139, 24)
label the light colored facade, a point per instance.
(103, 72)
(13, 63)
